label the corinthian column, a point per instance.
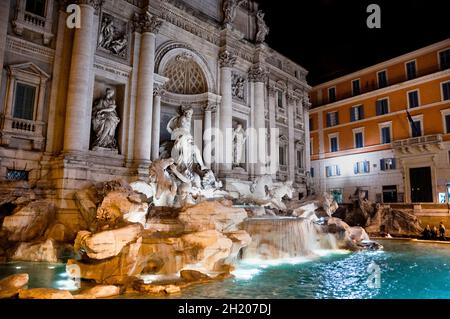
(227, 60)
(259, 76)
(157, 93)
(78, 112)
(149, 26)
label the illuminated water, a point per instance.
(408, 270)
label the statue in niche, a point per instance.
(105, 121)
(184, 151)
(239, 138)
(263, 29)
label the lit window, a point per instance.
(332, 119)
(357, 113)
(387, 164)
(361, 167)
(332, 170)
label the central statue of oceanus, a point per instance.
(184, 152)
(180, 176)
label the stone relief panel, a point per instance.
(238, 87)
(113, 36)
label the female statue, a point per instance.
(105, 121)
(238, 143)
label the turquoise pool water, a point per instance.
(407, 270)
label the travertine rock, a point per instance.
(60, 233)
(29, 222)
(85, 202)
(115, 270)
(395, 222)
(40, 251)
(44, 293)
(108, 243)
(117, 206)
(9, 293)
(240, 240)
(101, 291)
(212, 247)
(193, 275)
(210, 215)
(16, 281)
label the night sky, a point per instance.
(330, 38)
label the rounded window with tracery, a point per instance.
(185, 76)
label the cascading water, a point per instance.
(281, 238)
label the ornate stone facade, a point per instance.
(155, 55)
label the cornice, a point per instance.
(382, 92)
(385, 64)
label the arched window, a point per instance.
(185, 76)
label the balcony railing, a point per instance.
(422, 143)
(34, 19)
(22, 129)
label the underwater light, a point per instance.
(245, 274)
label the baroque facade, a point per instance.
(92, 103)
(385, 130)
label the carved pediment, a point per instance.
(28, 68)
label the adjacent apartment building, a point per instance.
(385, 130)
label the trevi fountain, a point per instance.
(179, 234)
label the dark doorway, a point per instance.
(421, 190)
(390, 194)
